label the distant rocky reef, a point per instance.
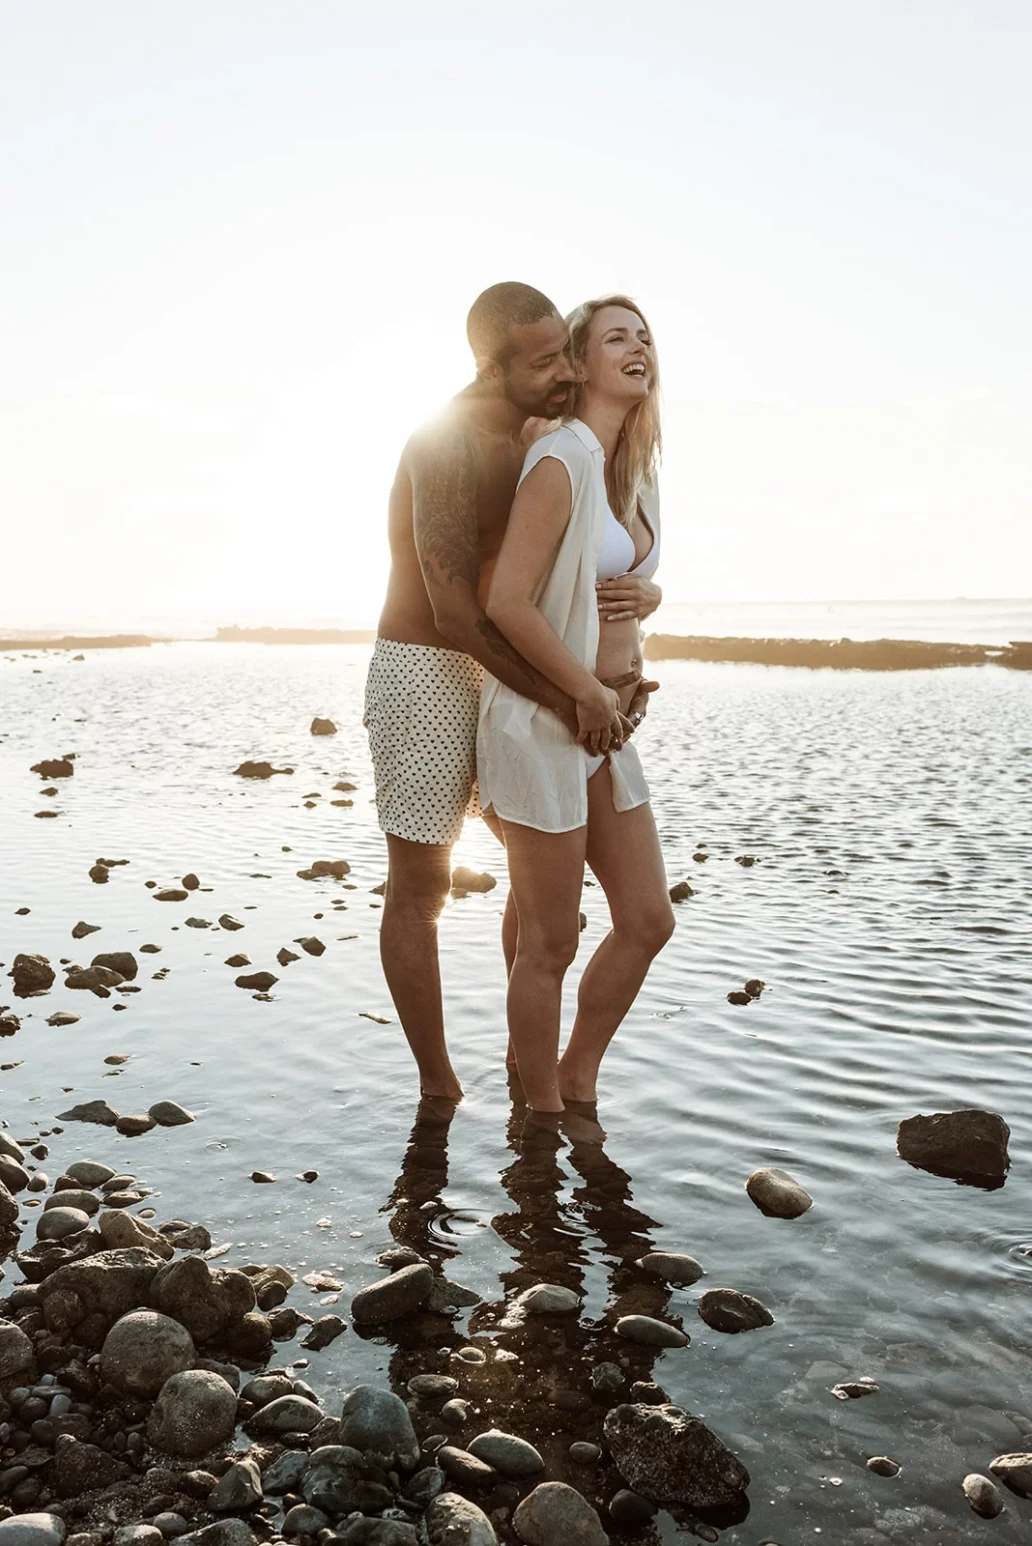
(840, 654)
(113, 641)
(235, 635)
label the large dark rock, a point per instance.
(378, 1420)
(340, 1481)
(671, 1457)
(118, 961)
(961, 1144)
(80, 1467)
(725, 1309)
(54, 767)
(16, 1356)
(207, 1303)
(108, 1283)
(195, 1410)
(32, 974)
(401, 1293)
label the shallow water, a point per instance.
(888, 911)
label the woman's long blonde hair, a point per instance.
(641, 439)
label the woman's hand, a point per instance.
(626, 597)
(600, 726)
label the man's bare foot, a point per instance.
(436, 1108)
(516, 1092)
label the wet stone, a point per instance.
(725, 1309)
(778, 1194)
(983, 1495)
(650, 1332)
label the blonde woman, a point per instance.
(586, 515)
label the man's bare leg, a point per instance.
(418, 882)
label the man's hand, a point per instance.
(626, 597)
(639, 704)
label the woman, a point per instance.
(586, 514)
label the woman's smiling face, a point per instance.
(618, 361)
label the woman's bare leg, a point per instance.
(510, 927)
(546, 873)
(624, 854)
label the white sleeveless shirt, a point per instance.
(530, 769)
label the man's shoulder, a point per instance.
(448, 433)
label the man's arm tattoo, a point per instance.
(445, 513)
(499, 645)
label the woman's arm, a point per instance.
(540, 515)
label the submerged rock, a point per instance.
(465, 879)
(725, 1309)
(81, 929)
(778, 1194)
(323, 726)
(671, 1457)
(168, 1113)
(555, 1513)
(337, 868)
(959, 1143)
(261, 982)
(547, 1299)
(54, 767)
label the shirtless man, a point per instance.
(447, 514)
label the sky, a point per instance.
(238, 242)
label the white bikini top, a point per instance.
(617, 553)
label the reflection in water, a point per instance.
(541, 1376)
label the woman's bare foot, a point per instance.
(441, 1089)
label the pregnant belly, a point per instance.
(619, 656)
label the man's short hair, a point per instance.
(499, 309)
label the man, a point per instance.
(448, 511)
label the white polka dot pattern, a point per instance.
(421, 710)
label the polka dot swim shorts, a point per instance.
(421, 710)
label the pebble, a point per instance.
(89, 1173)
(983, 1495)
(1015, 1471)
(69, 1197)
(583, 1453)
(401, 1293)
(455, 1412)
(778, 1194)
(650, 1332)
(170, 1523)
(168, 1113)
(378, 1420)
(508, 1454)
(628, 1508)
(852, 1390)
(547, 1299)
(432, 1387)
(881, 1465)
(554, 1512)
(56, 1223)
(33, 1530)
(452, 1520)
(463, 1467)
(607, 1378)
(681, 1271)
(725, 1309)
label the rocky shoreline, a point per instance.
(140, 1401)
(839, 654)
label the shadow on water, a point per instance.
(550, 1379)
